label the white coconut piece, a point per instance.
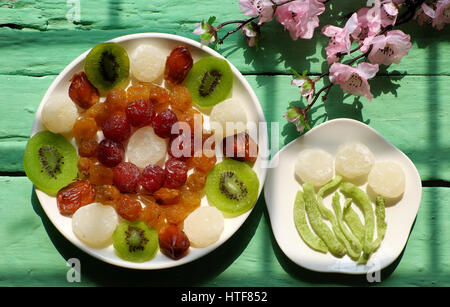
(145, 147)
(94, 224)
(228, 117)
(204, 226)
(315, 166)
(387, 179)
(353, 160)
(59, 114)
(147, 63)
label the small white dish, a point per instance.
(241, 90)
(281, 187)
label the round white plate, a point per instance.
(241, 90)
(281, 187)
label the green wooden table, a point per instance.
(410, 109)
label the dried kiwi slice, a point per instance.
(50, 161)
(209, 81)
(232, 186)
(135, 241)
(107, 66)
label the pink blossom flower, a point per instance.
(306, 86)
(298, 117)
(442, 14)
(206, 31)
(382, 14)
(424, 14)
(340, 38)
(354, 80)
(252, 33)
(387, 49)
(300, 17)
(264, 9)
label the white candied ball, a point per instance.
(314, 166)
(204, 226)
(145, 147)
(147, 63)
(387, 179)
(353, 160)
(228, 117)
(59, 114)
(94, 224)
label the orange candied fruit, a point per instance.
(167, 196)
(128, 207)
(85, 128)
(203, 160)
(138, 92)
(180, 98)
(98, 112)
(159, 97)
(100, 174)
(153, 215)
(177, 213)
(107, 194)
(196, 181)
(116, 101)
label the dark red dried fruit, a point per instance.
(163, 122)
(126, 177)
(173, 242)
(117, 128)
(176, 173)
(152, 178)
(82, 92)
(110, 153)
(240, 147)
(140, 113)
(74, 196)
(178, 65)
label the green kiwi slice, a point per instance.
(232, 186)
(107, 66)
(135, 241)
(50, 161)
(209, 81)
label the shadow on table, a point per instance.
(196, 273)
(321, 279)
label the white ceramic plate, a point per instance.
(281, 188)
(241, 90)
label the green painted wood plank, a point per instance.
(34, 253)
(408, 111)
(63, 40)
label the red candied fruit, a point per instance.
(163, 122)
(152, 178)
(140, 113)
(178, 64)
(110, 153)
(117, 128)
(128, 207)
(173, 242)
(182, 146)
(176, 173)
(74, 196)
(126, 177)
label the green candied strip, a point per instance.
(353, 221)
(380, 214)
(363, 201)
(355, 246)
(317, 224)
(309, 237)
(329, 215)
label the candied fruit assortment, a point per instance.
(136, 147)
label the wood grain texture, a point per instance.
(252, 250)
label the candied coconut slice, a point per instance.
(204, 226)
(353, 160)
(94, 224)
(59, 114)
(147, 63)
(387, 179)
(228, 118)
(315, 166)
(145, 148)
